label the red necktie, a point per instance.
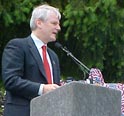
(46, 65)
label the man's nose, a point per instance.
(58, 27)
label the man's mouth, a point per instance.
(55, 33)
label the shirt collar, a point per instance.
(37, 41)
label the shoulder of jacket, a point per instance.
(18, 40)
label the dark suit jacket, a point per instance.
(23, 72)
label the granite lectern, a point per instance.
(78, 99)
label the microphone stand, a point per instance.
(81, 65)
(84, 68)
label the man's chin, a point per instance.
(53, 39)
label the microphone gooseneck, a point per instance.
(80, 64)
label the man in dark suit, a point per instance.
(23, 70)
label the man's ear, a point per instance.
(39, 23)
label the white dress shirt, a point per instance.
(39, 45)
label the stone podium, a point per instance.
(78, 99)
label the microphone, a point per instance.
(79, 63)
(58, 45)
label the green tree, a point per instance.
(93, 30)
(97, 29)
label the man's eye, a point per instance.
(54, 23)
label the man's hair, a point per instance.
(42, 12)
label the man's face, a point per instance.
(50, 28)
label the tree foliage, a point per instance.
(98, 30)
(92, 29)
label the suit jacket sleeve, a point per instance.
(13, 72)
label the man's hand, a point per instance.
(49, 87)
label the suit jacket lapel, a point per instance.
(53, 64)
(36, 56)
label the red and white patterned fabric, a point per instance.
(120, 87)
(97, 77)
